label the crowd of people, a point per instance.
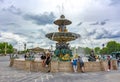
(78, 60)
(46, 59)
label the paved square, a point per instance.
(8, 74)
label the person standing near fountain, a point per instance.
(25, 56)
(48, 59)
(109, 63)
(43, 57)
(81, 64)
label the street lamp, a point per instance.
(103, 45)
(5, 48)
(25, 44)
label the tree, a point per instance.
(10, 49)
(87, 50)
(118, 47)
(112, 46)
(6, 48)
(97, 50)
(104, 51)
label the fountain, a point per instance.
(62, 51)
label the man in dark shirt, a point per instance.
(81, 64)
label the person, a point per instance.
(81, 64)
(25, 56)
(74, 64)
(43, 57)
(48, 59)
(109, 63)
(118, 61)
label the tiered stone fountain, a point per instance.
(62, 37)
(62, 52)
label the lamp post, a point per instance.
(103, 45)
(5, 49)
(51, 47)
(25, 44)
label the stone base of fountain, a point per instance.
(60, 66)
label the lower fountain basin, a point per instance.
(60, 66)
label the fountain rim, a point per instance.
(62, 35)
(62, 21)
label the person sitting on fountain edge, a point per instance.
(48, 59)
(43, 57)
(74, 63)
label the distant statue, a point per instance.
(92, 56)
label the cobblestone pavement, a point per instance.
(8, 74)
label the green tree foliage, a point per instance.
(112, 46)
(117, 47)
(5, 47)
(104, 51)
(97, 50)
(87, 50)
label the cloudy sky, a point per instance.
(27, 21)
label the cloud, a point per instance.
(13, 24)
(42, 19)
(0, 35)
(80, 23)
(100, 22)
(92, 32)
(37, 35)
(42, 31)
(12, 38)
(102, 33)
(1, 1)
(96, 23)
(11, 27)
(107, 34)
(8, 35)
(3, 29)
(115, 35)
(20, 33)
(115, 2)
(32, 23)
(12, 9)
